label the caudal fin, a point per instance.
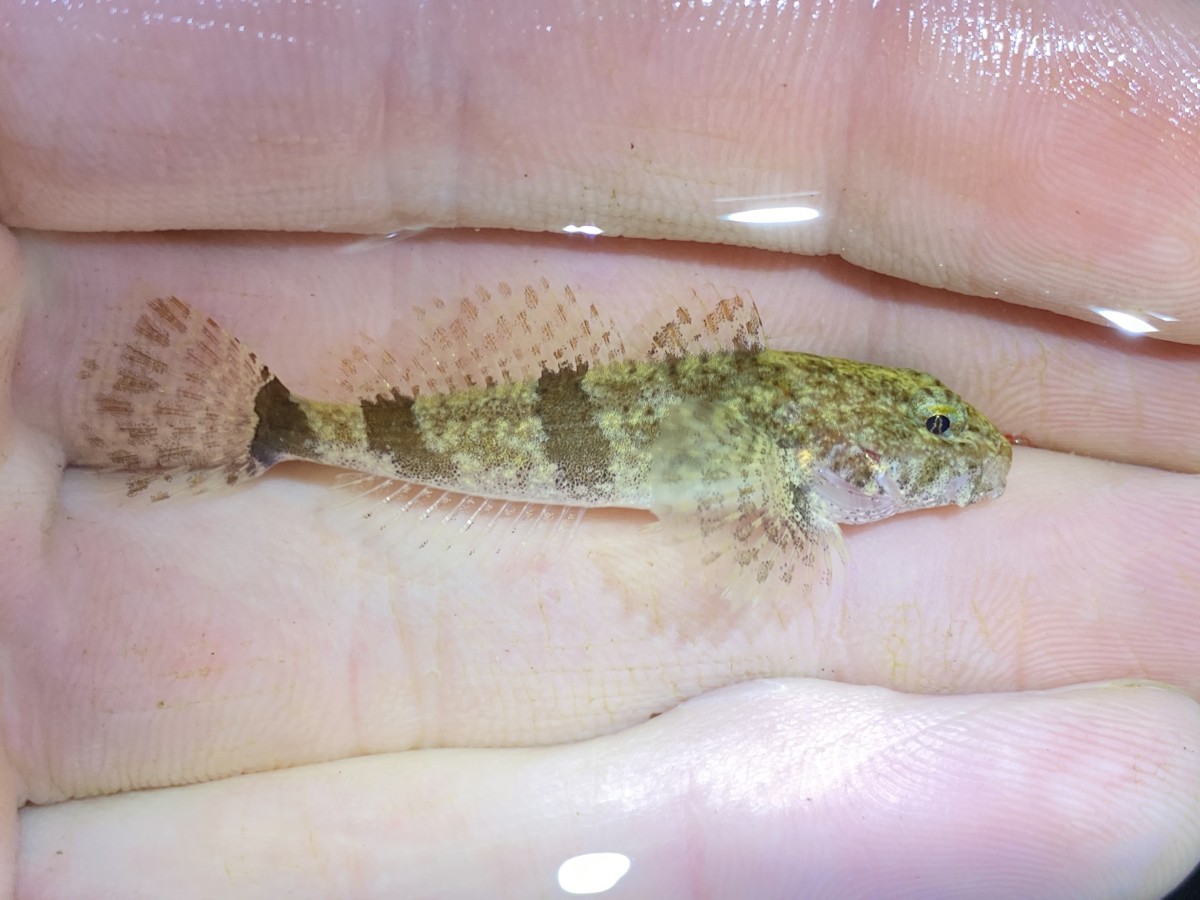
(172, 405)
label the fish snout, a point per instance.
(993, 476)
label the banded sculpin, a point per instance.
(758, 452)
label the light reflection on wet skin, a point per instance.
(592, 873)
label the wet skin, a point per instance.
(901, 730)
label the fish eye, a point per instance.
(938, 424)
(940, 411)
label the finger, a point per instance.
(1083, 570)
(11, 787)
(1044, 154)
(12, 288)
(765, 790)
(187, 621)
(266, 629)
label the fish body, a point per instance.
(588, 436)
(763, 450)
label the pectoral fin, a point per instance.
(740, 506)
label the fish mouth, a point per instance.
(960, 490)
(990, 483)
(994, 477)
(883, 495)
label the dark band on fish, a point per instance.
(392, 430)
(283, 427)
(574, 442)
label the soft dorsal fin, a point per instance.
(730, 323)
(489, 337)
(510, 334)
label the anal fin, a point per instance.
(458, 526)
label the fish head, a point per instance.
(884, 441)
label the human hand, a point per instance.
(267, 631)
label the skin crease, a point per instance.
(506, 701)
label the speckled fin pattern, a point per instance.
(174, 404)
(720, 485)
(501, 335)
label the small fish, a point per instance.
(758, 452)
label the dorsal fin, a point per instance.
(489, 337)
(704, 326)
(509, 334)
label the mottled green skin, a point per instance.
(590, 436)
(828, 411)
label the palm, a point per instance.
(270, 630)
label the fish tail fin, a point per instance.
(173, 405)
